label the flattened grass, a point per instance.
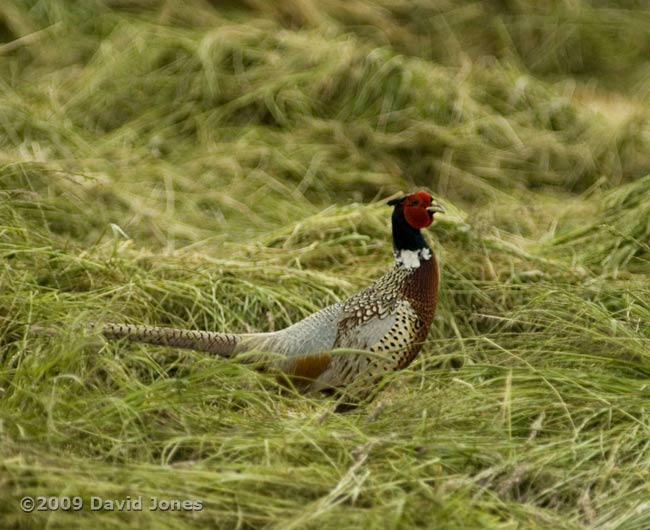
(224, 167)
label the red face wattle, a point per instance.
(417, 210)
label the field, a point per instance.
(225, 166)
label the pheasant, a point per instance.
(385, 324)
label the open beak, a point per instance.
(436, 208)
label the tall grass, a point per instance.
(225, 165)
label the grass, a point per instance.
(225, 165)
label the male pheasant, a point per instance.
(385, 324)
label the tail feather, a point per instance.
(224, 344)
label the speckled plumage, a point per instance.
(390, 319)
(382, 327)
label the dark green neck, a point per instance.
(405, 237)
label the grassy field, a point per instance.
(224, 165)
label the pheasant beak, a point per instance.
(436, 208)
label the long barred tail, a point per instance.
(223, 344)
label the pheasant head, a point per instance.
(412, 213)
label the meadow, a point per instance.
(225, 165)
